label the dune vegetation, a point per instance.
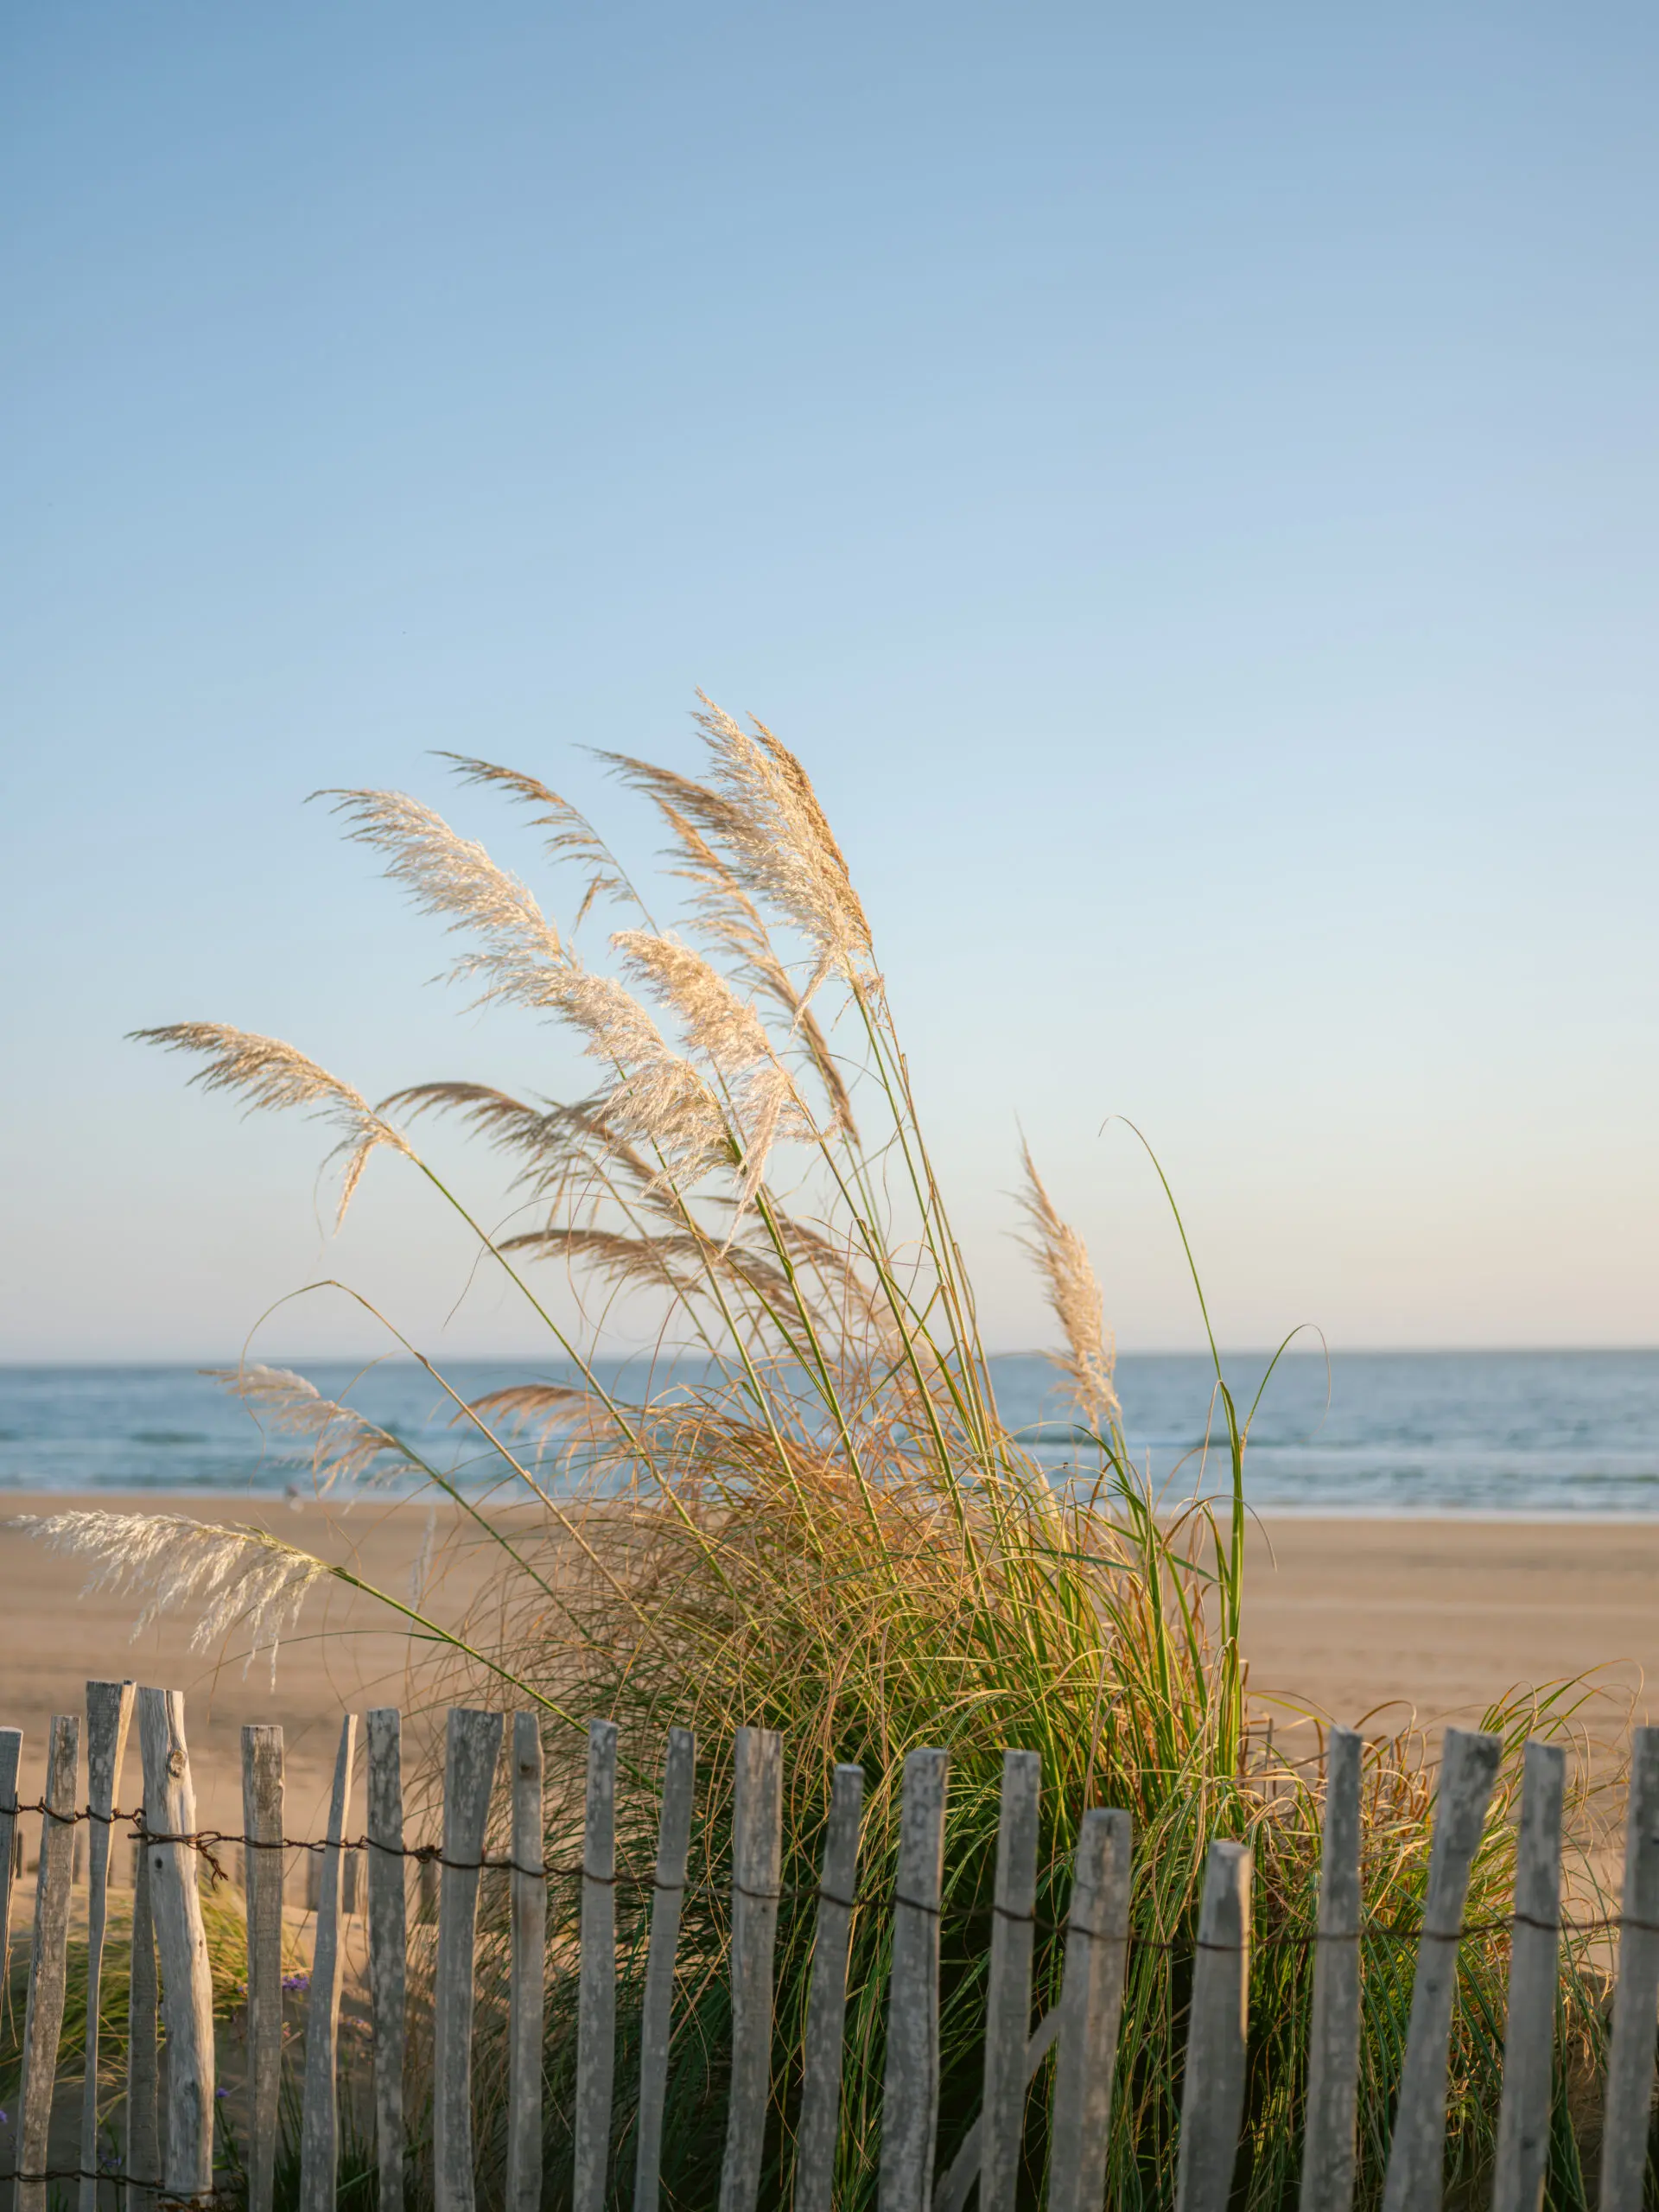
(812, 1518)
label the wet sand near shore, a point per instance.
(1438, 1617)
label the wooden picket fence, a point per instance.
(168, 2156)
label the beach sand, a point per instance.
(1398, 1620)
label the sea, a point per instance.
(1539, 1433)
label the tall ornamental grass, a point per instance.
(814, 1517)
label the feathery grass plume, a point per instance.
(450, 875)
(544, 1408)
(728, 917)
(783, 849)
(345, 1445)
(272, 1075)
(728, 1031)
(812, 1518)
(1062, 1257)
(660, 1099)
(715, 1021)
(235, 1577)
(573, 836)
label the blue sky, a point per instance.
(1185, 480)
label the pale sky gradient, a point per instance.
(1184, 479)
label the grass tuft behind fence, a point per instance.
(816, 1519)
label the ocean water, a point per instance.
(1547, 1433)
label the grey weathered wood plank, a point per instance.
(1007, 2006)
(48, 1961)
(143, 2138)
(657, 2009)
(1417, 2153)
(320, 2105)
(109, 1712)
(1090, 2007)
(11, 1837)
(910, 2100)
(1212, 2097)
(528, 1905)
(1534, 1961)
(388, 1947)
(472, 1748)
(181, 1943)
(596, 1974)
(757, 1866)
(1328, 2144)
(1630, 2059)
(826, 2004)
(263, 1857)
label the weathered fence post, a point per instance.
(388, 1947)
(1091, 2004)
(826, 2003)
(320, 2110)
(474, 1746)
(1535, 1963)
(1008, 2008)
(1630, 2060)
(528, 2000)
(48, 1961)
(262, 1882)
(1212, 2099)
(1328, 2146)
(910, 2100)
(596, 1974)
(1417, 2154)
(176, 1906)
(656, 2012)
(11, 1758)
(109, 1711)
(757, 1868)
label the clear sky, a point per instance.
(1184, 479)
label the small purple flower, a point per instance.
(221, 2092)
(4, 2121)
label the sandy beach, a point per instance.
(1394, 1618)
